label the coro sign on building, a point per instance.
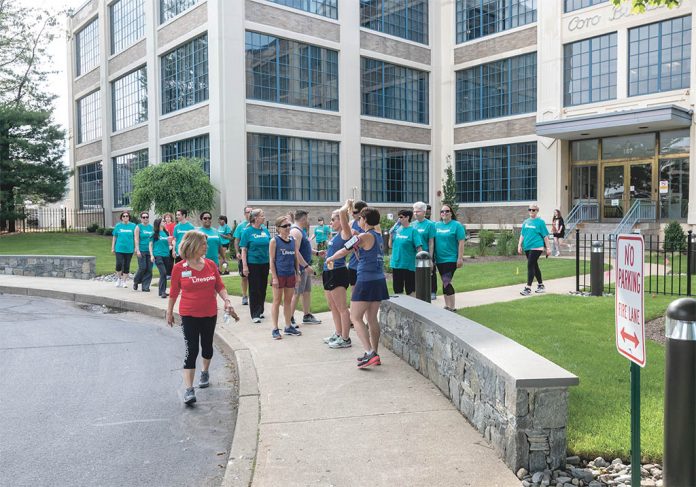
(630, 319)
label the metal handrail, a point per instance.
(583, 211)
(640, 211)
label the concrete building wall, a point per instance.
(127, 58)
(311, 121)
(482, 131)
(393, 47)
(176, 122)
(88, 151)
(180, 26)
(394, 131)
(273, 15)
(129, 138)
(499, 44)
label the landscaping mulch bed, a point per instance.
(655, 330)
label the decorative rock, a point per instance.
(595, 483)
(659, 483)
(574, 460)
(616, 461)
(526, 483)
(582, 474)
(563, 480)
(623, 478)
(600, 462)
(648, 483)
(522, 473)
(536, 478)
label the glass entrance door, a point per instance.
(623, 184)
(641, 187)
(613, 195)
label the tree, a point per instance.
(31, 161)
(641, 5)
(181, 183)
(449, 189)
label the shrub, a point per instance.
(506, 243)
(675, 238)
(100, 230)
(486, 239)
(93, 227)
(108, 231)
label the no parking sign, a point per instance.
(630, 319)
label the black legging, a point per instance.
(533, 266)
(258, 284)
(195, 329)
(163, 264)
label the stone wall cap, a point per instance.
(525, 367)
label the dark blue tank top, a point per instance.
(335, 244)
(353, 262)
(371, 263)
(285, 257)
(305, 246)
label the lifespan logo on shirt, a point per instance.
(529, 225)
(287, 252)
(259, 235)
(197, 280)
(443, 230)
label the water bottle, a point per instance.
(226, 318)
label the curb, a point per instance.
(242, 458)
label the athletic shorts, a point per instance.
(286, 282)
(337, 277)
(353, 276)
(304, 283)
(375, 290)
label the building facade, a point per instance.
(304, 103)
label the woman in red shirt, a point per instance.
(198, 281)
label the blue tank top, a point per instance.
(353, 262)
(371, 263)
(305, 246)
(335, 244)
(285, 257)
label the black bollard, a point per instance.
(597, 269)
(423, 273)
(680, 394)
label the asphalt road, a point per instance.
(89, 398)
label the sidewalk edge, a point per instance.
(242, 458)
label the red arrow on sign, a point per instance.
(628, 337)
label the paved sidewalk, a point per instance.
(325, 422)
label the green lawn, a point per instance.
(578, 334)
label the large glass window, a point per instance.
(401, 18)
(326, 8)
(129, 99)
(172, 8)
(674, 188)
(629, 146)
(497, 173)
(127, 23)
(589, 70)
(285, 71)
(89, 182)
(584, 150)
(185, 75)
(395, 92)
(89, 117)
(87, 48)
(291, 168)
(394, 175)
(194, 148)
(125, 167)
(659, 56)
(478, 18)
(584, 183)
(497, 89)
(571, 5)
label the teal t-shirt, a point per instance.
(447, 238)
(145, 235)
(160, 247)
(179, 230)
(321, 233)
(213, 238)
(256, 241)
(239, 229)
(224, 230)
(125, 238)
(533, 232)
(405, 241)
(426, 229)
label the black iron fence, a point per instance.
(59, 220)
(668, 269)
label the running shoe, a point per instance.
(245, 300)
(341, 343)
(124, 284)
(189, 396)
(256, 320)
(292, 321)
(135, 286)
(540, 289)
(526, 291)
(370, 360)
(118, 283)
(261, 316)
(204, 380)
(332, 338)
(309, 319)
(363, 357)
(164, 296)
(276, 334)
(291, 330)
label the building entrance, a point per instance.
(623, 184)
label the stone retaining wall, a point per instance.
(515, 398)
(68, 266)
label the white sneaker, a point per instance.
(118, 283)
(124, 283)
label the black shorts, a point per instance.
(123, 261)
(404, 278)
(226, 246)
(334, 278)
(559, 235)
(353, 276)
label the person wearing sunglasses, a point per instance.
(123, 246)
(254, 243)
(213, 252)
(285, 267)
(236, 238)
(143, 236)
(449, 252)
(534, 241)
(405, 243)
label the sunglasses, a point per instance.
(402, 216)
(287, 225)
(533, 210)
(445, 211)
(144, 216)
(206, 218)
(125, 216)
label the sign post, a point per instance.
(630, 328)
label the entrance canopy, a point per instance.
(617, 123)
